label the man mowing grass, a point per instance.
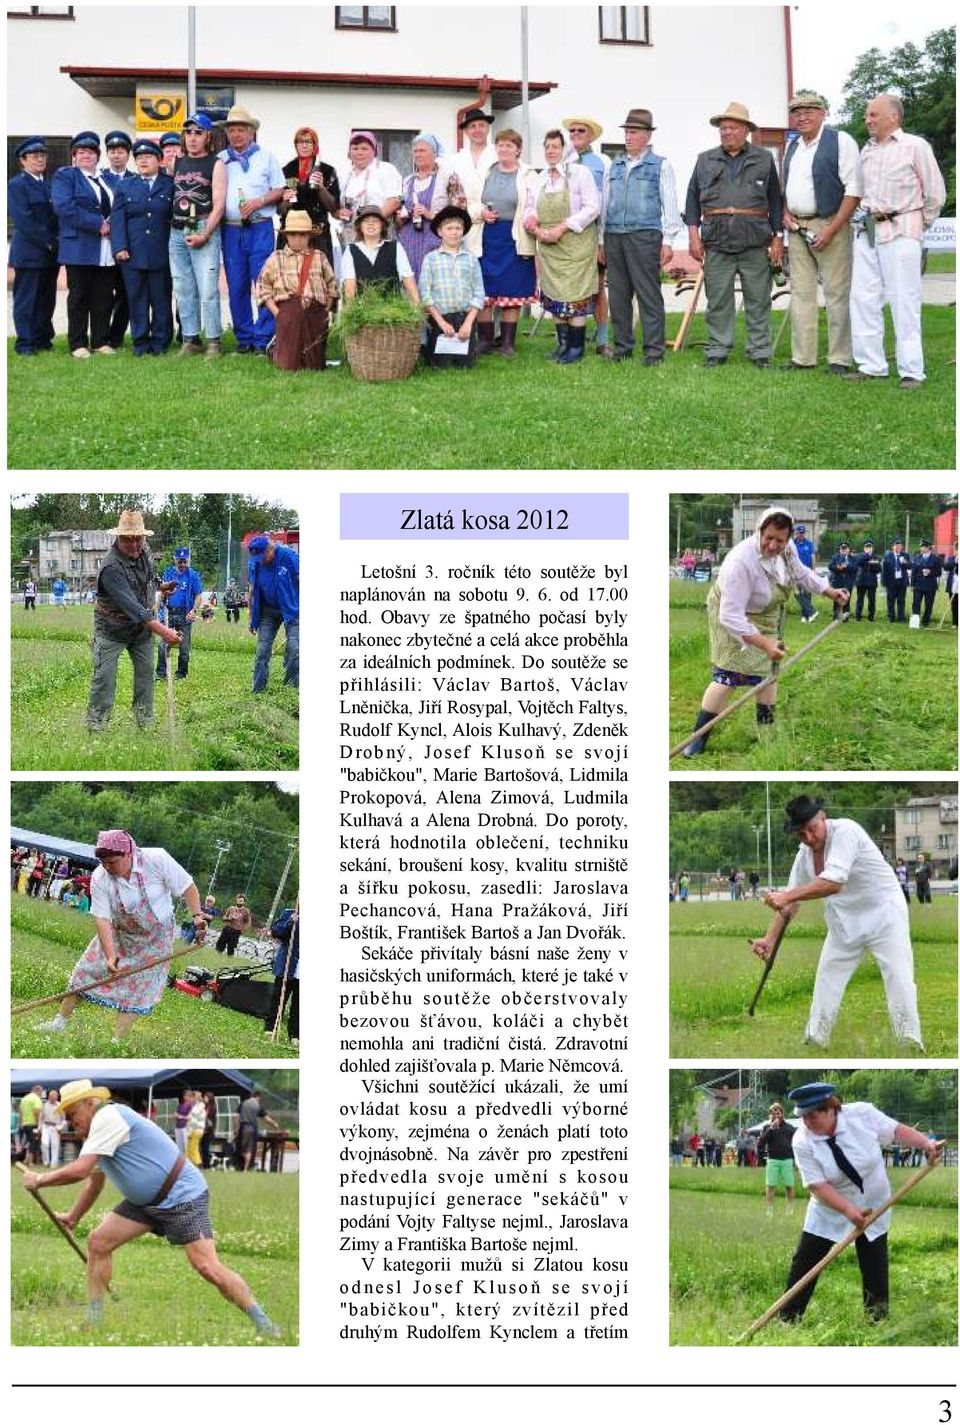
(162, 1193)
(864, 911)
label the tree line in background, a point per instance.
(199, 521)
(701, 520)
(185, 818)
(925, 78)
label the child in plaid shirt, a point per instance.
(451, 287)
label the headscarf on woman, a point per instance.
(306, 164)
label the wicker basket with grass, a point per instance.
(381, 334)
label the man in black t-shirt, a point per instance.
(776, 1139)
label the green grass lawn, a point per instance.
(714, 975)
(242, 414)
(220, 726)
(871, 697)
(942, 262)
(729, 1262)
(160, 1299)
(46, 942)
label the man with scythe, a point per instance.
(865, 911)
(161, 1193)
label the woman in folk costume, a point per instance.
(132, 897)
(746, 610)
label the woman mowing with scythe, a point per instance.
(132, 894)
(746, 610)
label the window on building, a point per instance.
(913, 816)
(365, 17)
(944, 841)
(58, 153)
(913, 843)
(624, 24)
(75, 566)
(40, 12)
(395, 147)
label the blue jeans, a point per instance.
(271, 622)
(805, 602)
(196, 284)
(245, 250)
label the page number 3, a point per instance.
(945, 1413)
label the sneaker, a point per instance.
(191, 347)
(815, 614)
(56, 1025)
(82, 353)
(212, 352)
(106, 351)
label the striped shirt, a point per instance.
(900, 175)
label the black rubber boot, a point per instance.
(563, 336)
(765, 715)
(695, 748)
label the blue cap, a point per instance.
(35, 144)
(801, 529)
(925, 544)
(168, 140)
(809, 1096)
(181, 553)
(116, 138)
(201, 121)
(866, 542)
(86, 139)
(147, 146)
(258, 544)
(897, 539)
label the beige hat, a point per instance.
(79, 1089)
(739, 113)
(298, 220)
(130, 525)
(239, 115)
(807, 99)
(595, 129)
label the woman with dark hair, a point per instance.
(312, 186)
(746, 610)
(838, 1150)
(373, 258)
(431, 186)
(562, 208)
(507, 250)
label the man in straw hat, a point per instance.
(734, 213)
(584, 132)
(124, 619)
(255, 184)
(640, 219)
(865, 911)
(160, 1191)
(298, 286)
(822, 184)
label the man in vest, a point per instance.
(33, 249)
(199, 193)
(584, 132)
(823, 184)
(639, 219)
(160, 1191)
(124, 618)
(734, 214)
(903, 192)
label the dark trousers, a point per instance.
(233, 613)
(291, 1002)
(923, 893)
(923, 602)
(228, 939)
(871, 597)
(120, 311)
(30, 601)
(456, 320)
(177, 620)
(34, 300)
(897, 603)
(151, 320)
(633, 269)
(953, 608)
(89, 304)
(874, 1274)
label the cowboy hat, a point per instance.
(595, 129)
(130, 525)
(738, 113)
(445, 214)
(239, 115)
(639, 119)
(77, 1090)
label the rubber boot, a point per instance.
(484, 338)
(574, 351)
(563, 336)
(508, 340)
(695, 748)
(765, 715)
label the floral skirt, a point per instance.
(563, 311)
(137, 994)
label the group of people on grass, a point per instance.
(55, 878)
(477, 237)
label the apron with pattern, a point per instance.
(139, 936)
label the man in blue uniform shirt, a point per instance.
(895, 576)
(33, 249)
(868, 574)
(59, 591)
(140, 237)
(161, 1192)
(926, 576)
(118, 146)
(805, 550)
(273, 576)
(183, 606)
(842, 570)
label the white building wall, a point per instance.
(700, 58)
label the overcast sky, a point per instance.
(825, 46)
